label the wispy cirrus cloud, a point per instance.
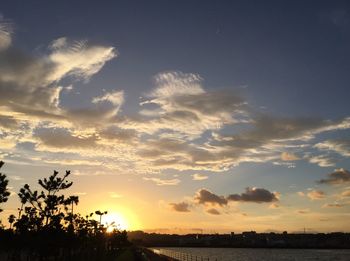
(184, 106)
(199, 177)
(340, 146)
(334, 205)
(163, 182)
(322, 160)
(5, 35)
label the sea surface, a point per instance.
(252, 254)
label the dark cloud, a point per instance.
(8, 122)
(209, 103)
(204, 196)
(260, 142)
(258, 195)
(339, 176)
(180, 207)
(266, 129)
(30, 84)
(213, 211)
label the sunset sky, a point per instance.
(182, 116)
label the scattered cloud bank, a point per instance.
(181, 124)
(210, 200)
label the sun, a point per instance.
(115, 221)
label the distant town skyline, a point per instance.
(181, 116)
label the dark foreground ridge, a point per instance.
(249, 239)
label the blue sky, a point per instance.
(183, 107)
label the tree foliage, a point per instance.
(4, 192)
(47, 208)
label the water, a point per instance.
(253, 254)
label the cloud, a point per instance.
(213, 211)
(341, 146)
(339, 176)
(182, 125)
(316, 194)
(199, 177)
(114, 97)
(58, 138)
(180, 207)
(29, 84)
(5, 35)
(301, 194)
(258, 195)
(260, 143)
(78, 59)
(322, 160)
(9, 122)
(163, 182)
(71, 162)
(287, 156)
(333, 205)
(274, 206)
(114, 133)
(345, 193)
(204, 196)
(184, 106)
(303, 211)
(267, 130)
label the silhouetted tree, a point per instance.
(100, 213)
(4, 192)
(48, 229)
(46, 209)
(11, 219)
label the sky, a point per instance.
(182, 116)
